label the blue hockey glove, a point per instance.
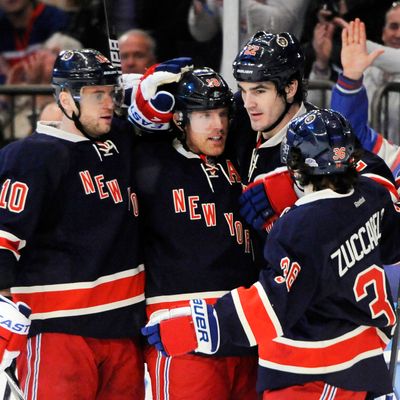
(151, 108)
(14, 328)
(185, 329)
(255, 207)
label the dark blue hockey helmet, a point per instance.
(324, 140)
(270, 57)
(202, 89)
(74, 69)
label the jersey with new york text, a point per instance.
(69, 232)
(322, 309)
(195, 242)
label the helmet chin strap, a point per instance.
(78, 124)
(280, 118)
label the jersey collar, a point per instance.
(322, 195)
(278, 137)
(52, 128)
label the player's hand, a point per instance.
(183, 330)
(354, 55)
(264, 200)
(14, 328)
(151, 108)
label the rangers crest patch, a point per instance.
(309, 119)
(282, 41)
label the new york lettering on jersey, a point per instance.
(52, 280)
(208, 251)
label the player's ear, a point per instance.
(178, 119)
(291, 90)
(67, 102)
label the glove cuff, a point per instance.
(280, 191)
(206, 326)
(142, 122)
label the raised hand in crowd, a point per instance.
(354, 55)
(323, 43)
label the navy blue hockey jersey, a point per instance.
(195, 242)
(322, 310)
(69, 233)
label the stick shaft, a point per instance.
(112, 39)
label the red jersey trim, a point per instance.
(81, 298)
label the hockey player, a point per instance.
(195, 244)
(269, 72)
(320, 313)
(69, 241)
(350, 97)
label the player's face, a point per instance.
(262, 102)
(97, 108)
(136, 54)
(206, 131)
(391, 30)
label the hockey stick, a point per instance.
(12, 383)
(112, 40)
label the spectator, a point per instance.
(24, 27)
(205, 19)
(374, 77)
(124, 15)
(137, 49)
(35, 69)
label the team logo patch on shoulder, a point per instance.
(310, 119)
(282, 41)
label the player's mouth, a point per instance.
(256, 116)
(216, 138)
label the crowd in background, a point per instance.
(33, 32)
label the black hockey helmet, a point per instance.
(323, 139)
(202, 89)
(74, 69)
(270, 57)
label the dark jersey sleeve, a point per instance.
(29, 173)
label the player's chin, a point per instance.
(105, 125)
(216, 149)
